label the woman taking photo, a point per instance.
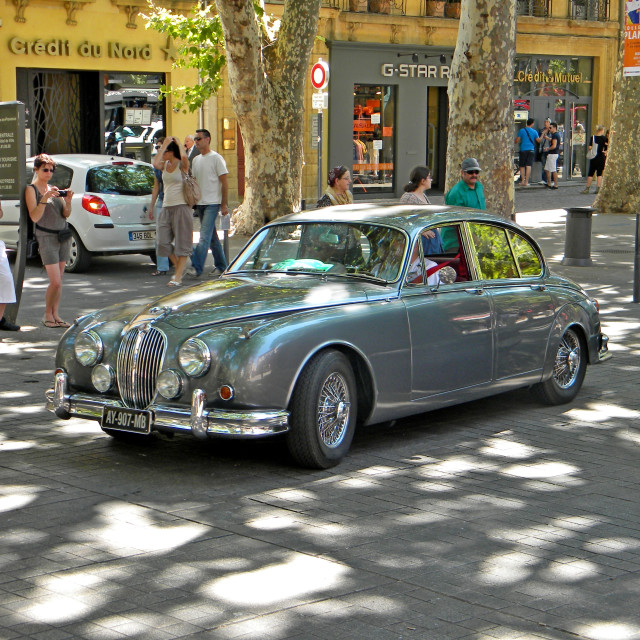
(338, 190)
(49, 210)
(175, 220)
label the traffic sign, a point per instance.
(320, 100)
(320, 75)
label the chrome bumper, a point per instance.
(197, 420)
(603, 348)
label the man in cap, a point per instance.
(468, 192)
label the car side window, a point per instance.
(494, 253)
(527, 257)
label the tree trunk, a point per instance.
(481, 98)
(620, 192)
(266, 84)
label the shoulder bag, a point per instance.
(593, 152)
(192, 193)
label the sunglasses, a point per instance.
(47, 170)
(197, 139)
(473, 172)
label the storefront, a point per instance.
(396, 98)
(88, 89)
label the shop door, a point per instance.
(553, 108)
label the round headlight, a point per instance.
(194, 357)
(169, 384)
(88, 348)
(103, 377)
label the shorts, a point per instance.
(596, 166)
(175, 231)
(527, 158)
(52, 251)
(551, 165)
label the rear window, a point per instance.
(124, 180)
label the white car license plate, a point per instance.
(121, 419)
(142, 235)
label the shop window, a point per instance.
(590, 9)
(373, 138)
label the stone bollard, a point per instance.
(577, 240)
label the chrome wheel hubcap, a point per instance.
(334, 407)
(568, 357)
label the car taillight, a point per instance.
(93, 204)
(597, 304)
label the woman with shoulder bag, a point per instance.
(49, 209)
(597, 162)
(175, 220)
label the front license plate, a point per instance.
(121, 419)
(142, 235)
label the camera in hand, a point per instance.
(62, 193)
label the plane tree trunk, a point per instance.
(481, 98)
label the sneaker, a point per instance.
(215, 273)
(192, 273)
(587, 190)
(542, 182)
(5, 325)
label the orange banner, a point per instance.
(632, 38)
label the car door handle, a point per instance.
(538, 287)
(476, 291)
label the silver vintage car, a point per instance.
(334, 318)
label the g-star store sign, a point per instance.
(86, 49)
(414, 70)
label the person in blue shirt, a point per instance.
(527, 141)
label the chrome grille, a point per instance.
(139, 361)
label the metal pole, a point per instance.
(320, 189)
(636, 263)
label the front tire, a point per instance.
(79, 258)
(569, 368)
(323, 411)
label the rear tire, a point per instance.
(569, 369)
(323, 412)
(79, 258)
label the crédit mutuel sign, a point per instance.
(64, 49)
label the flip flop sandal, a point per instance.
(159, 273)
(174, 283)
(63, 324)
(50, 324)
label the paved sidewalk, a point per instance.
(498, 519)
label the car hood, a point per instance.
(233, 298)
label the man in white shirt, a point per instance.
(210, 171)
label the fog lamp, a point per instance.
(103, 377)
(169, 384)
(88, 348)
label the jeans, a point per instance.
(207, 214)
(162, 262)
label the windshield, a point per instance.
(334, 248)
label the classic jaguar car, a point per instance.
(330, 319)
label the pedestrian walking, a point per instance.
(597, 163)
(468, 191)
(543, 149)
(551, 164)
(191, 148)
(157, 197)
(210, 172)
(49, 209)
(7, 290)
(526, 138)
(175, 222)
(337, 191)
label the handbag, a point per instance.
(192, 193)
(593, 152)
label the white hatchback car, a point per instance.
(109, 213)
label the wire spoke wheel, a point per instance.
(333, 410)
(568, 358)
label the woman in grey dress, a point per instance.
(49, 211)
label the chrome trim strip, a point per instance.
(237, 424)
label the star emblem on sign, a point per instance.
(170, 51)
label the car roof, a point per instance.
(88, 160)
(410, 218)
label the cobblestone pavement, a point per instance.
(496, 519)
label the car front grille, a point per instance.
(139, 361)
